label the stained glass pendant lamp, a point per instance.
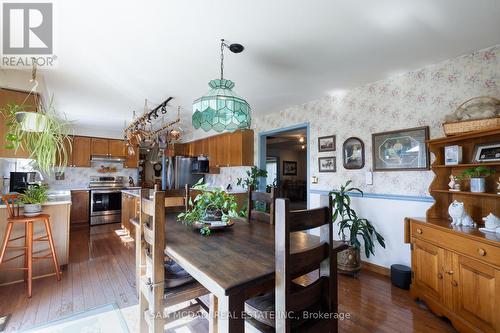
(221, 109)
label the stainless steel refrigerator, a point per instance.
(180, 171)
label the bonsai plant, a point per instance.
(351, 229)
(44, 136)
(34, 198)
(210, 205)
(252, 179)
(477, 177)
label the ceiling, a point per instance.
(112, 55)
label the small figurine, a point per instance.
(453, 185)
(459, 216)
(491, 222)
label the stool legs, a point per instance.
(29, 237)
(5, 240)
(52, 248)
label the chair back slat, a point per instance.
(289, 265)
(308, 260)
(301, 220)
(9, 200)
(177, 198)
(147, 206)
(267, 198)
(307, 297)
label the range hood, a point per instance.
(104, 158)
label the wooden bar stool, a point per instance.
(28, 240)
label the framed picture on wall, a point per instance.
(327, 164)
(326, 143)
(401, 150)
(289, 168)
(353, 152)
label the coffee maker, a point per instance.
(20, 181)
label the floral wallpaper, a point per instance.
(419, 98)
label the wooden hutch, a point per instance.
(456, 270)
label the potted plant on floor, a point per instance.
(213, 205)
(351, 229)
(33, 199)
(477, 176)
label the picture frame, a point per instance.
(401, 150)
(289, 168)
(353, 153)
(452, 155)
(486, 152)
(327, 164)
(326, 143)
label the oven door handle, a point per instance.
(105, 191)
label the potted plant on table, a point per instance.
(33, 199)
(211, 205)
(477, 176)
(351, 229)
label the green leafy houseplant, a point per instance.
(48, 147)
(34, 195)
(353, 228)
(477, 176)
(252, 178)
(207, 204)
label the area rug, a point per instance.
(102, 319)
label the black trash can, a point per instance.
(401, 276)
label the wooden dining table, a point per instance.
(233, 264)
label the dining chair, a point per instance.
(291, 307)
(162, 284)
(263, 197)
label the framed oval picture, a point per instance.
(353, 152)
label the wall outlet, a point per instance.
(314, 180)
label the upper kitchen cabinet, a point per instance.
(132, 161)
(81, 151)
(8, 96)
(108, 147)
(241, 148)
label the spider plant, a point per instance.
(49, 148)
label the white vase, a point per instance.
(478, 185)
(32, 208)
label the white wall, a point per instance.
(387, 216)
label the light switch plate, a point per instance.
(369, 178)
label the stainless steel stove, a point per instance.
(105, 199)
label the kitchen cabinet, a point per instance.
(8, 96)
(116, 148)
(80, 209)
(68, 146)
(108, 147)
(132, 161)
(99, 146)
(130, 209)
(81, 151)
(241, 148)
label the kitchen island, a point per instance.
(58, 207)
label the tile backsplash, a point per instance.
(79, 177)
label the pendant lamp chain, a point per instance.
(222, 59)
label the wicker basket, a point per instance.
(464, 126)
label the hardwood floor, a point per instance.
(101, 271)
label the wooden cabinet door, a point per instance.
(427, 263)
(132, 161)
(81, 151)
(116, 148)
(222, 153)
(8, 96)
(212, 151)
(476, 293)
(68, 146)
(100, 146)
(80, 209)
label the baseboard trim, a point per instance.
(376, 268)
